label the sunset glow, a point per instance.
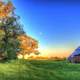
(54, 25)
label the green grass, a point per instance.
(39, 70)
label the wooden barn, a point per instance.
(75, 56)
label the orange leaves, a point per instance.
(28, 44)
(1, 4)
(9, 7)
(5, 9)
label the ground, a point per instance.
(39, 70)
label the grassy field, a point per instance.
(39, 70)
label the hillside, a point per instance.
(39, 70)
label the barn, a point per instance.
(75, 56)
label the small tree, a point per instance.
(28, 45)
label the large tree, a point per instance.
(9, 30)
(11, 34)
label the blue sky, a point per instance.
(55, 24)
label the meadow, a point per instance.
(39, 70)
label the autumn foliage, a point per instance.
(28, 45)
(13, 39)
(5, 9)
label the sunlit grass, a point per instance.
(39, 70)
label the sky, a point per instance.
(54, 23)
